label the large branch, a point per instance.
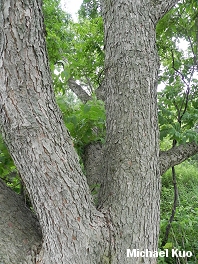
(176, 155)
(78, 90)
(93, 157)
(161, 7)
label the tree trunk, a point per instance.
(131, 188)
(39, 143)
(92, 159)
(127, 217)
(130, 194)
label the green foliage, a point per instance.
(89, 9)
(75, 49)
(177, 25)
(174, 122)
(57, 30)
(184, 231)
(58, 39)
(178, 108)
(86, 56)
(8, 171)
(86, 122)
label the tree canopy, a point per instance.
(177, 40)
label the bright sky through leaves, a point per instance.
(71, 7)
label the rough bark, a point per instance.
(176, 155)
(20, 237)
(39, 143)
(131, 189)
(167, 159)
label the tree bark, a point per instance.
(130, 193)
(160, 7)
(176, 155)
(78, 90)
(92, 160)
(131, 189)
(39, 143)
(19, 228)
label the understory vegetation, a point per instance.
(184, 227)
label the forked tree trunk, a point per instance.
(74, 231)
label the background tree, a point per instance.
(127, 213)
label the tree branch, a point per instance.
(176, 155)
(78, 90)
(92, 159)
(161, 7)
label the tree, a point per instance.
(127, 214)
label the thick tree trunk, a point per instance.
(130, 194)
(131, 189)
(40, 144)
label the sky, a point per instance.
(71, 6)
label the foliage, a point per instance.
(57, 30)
(178, 102)
(8, 171)
(171, 122)
(86, 122)
(184, 231)
(89, 9)
(84, 61)
(58, 38)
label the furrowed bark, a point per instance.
(92, 160)
(131, 189)
(167, 159)
(128, 210)
(40, 144)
